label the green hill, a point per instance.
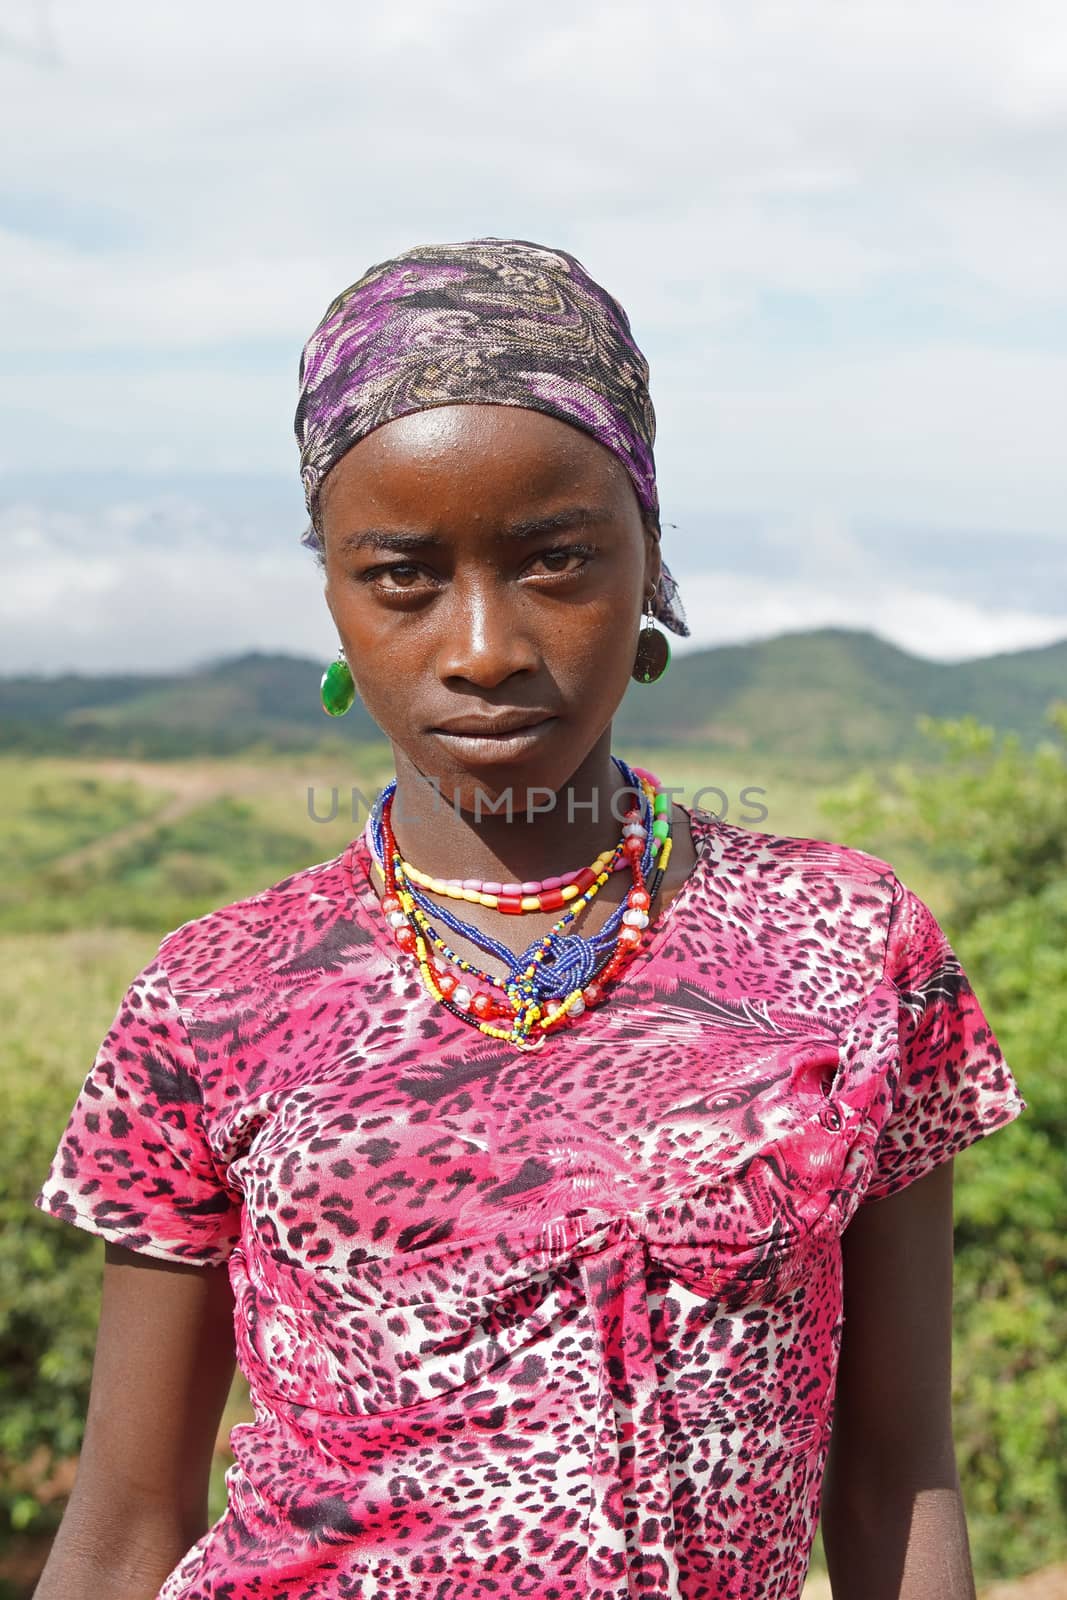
(830, 694)
(838, 693)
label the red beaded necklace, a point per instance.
(528, 1022)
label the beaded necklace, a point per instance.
(548, 894)
(539, 997)
(632, 915)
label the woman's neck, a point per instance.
(447, 841)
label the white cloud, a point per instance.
(734, 608)
(948, 433)
(839, 229)
(161, 583)
(198, 418)
(67, 301)
(150, 586)
(794, 573)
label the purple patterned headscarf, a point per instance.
(489, 322)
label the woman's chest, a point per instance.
(358, 1126)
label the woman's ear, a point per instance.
(328, 597)
(653, 559)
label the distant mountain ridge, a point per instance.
(828, 694)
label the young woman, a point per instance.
(569, 1171)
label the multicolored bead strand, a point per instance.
(417, 915)
(473, 889)
(598, 940)
(551, 895)
(646, 835)
(648, 784)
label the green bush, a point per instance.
(49, 1305)
(216, 853)
(47, 812)
(992, 825)
(57, 997)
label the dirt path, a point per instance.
(197, 784)
(189, 787)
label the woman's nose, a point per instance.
(483, 639)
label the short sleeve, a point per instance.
(953, 1085)
(134, 1164)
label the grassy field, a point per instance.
(101, 859)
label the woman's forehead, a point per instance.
(509, 460)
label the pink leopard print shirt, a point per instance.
(548, 1325)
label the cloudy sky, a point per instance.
(839, 227)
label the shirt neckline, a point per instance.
(357, 863)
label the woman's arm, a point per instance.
(161, 1374)
(893, 1522)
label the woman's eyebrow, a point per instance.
(385, 539)
(557, 522)
(529, 528)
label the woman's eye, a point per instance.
(557, 561)
(403, 575)
(408, 577)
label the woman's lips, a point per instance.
(478, 748)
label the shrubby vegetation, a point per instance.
(983, 837)
(157, 881)
(993, 825)
(57, 998)
(45, 812)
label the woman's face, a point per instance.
(484, 565)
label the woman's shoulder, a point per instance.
(794, 893)
(268, 931)
(758, 854)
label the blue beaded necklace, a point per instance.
(565, 961)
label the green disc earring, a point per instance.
(653, 655)
(337, 690)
